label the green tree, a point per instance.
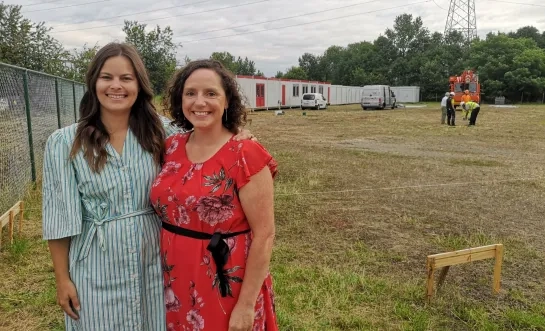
(29, 45)
(408, 36)
(157, 50)
(245, 67)
(227, 59)
(311, 65)
(79, 62)
(329, 64)
(508, 66)
(295, 73)
(528, 74)
(237, 66)
(529, 32)
(410, 39)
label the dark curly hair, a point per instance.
(172, 101)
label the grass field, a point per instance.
(361, 199)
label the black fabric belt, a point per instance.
(218, 248)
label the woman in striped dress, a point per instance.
(102, 233)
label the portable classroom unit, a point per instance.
(275, 93)
(334, 91)
(344, 95)
(406, 93)
(267, 93)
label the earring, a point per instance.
(225, 111)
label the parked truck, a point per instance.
(377, 97)
(465, 84)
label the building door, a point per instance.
(259, 95)
(283, 95)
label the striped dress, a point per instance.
(114, 258)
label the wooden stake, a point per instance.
(497, 268)
(445, 260)
(8, 218)
(430, 279)
(21, 216)
(11, 220)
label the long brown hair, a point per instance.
(144, 122)
(172, 100)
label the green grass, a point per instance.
(354, 258)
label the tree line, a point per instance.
(509, 64)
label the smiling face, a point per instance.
(117, 85)
(203, 99)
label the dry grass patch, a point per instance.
(361, 199)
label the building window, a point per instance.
(305, 89)
(313, 89)
(321, 89)
(296, 90)
(260, 90)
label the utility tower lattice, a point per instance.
(461, 17)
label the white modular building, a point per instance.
(275, 93)
(406, 93)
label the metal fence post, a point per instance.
(29, 126)
(57, 98)
(74, 95)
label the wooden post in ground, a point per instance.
(11, 220)
(8, 218)
(21, 214)
(497, 268)
(429, 283)
(445, 260)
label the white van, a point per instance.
(377, 97)
(313, 100)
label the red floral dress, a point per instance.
(203, 197)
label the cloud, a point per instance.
(313, 27)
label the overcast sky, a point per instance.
(272, 50)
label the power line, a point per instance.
(162, 18)
(75, 5)
(142, 12)
(439, 6)
(278, 19)
(300, 24)
(40, 3)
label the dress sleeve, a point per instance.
(252, 158)
(61, 206)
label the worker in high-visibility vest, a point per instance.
(465, 99)
(473, 108)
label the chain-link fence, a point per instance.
(32, 106)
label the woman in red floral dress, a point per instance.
(215, 197)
